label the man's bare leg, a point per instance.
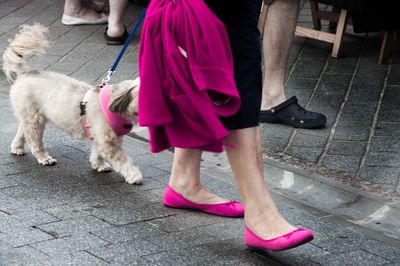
(277, 40)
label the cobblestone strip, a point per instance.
(21, 15)
(398, 184)
(374, 123)
(292, 137)
(286, 82)
(335, 124)
(17, 4)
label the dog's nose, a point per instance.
(127, 126)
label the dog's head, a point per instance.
(124, 98)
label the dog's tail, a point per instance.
(30, 40)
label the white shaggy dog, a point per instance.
(39, 96)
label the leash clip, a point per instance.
(107, 77)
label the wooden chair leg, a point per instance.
(341, 28)
(388, 38)
(333, 24)
(314, 15)
(262, 20)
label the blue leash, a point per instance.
(111, 71)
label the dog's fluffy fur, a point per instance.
(39, 96)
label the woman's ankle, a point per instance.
(194, 191)
(266, 222)
(83, 13)
(94, 5)
(183, 184)
(115, 30)
(73, 10)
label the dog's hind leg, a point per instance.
(17, 146)
(33, 132)
(97, 161)
(112, 150)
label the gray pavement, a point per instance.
(360, 99)
(70, 215)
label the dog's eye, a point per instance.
(135, 113)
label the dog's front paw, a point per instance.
(103, 168)
(18, 151)
(134, 178)
(47, 161)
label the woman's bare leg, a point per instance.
(116, 25)
(75, 8)
(185, 177)
(261, 214)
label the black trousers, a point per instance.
(241, 20)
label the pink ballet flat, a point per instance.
(229, 209)
(290, 240)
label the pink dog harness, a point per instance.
(119, 123)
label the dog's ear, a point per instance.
(122, 95)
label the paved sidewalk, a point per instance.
(361, 142)
(359, 146)
(70, 215)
